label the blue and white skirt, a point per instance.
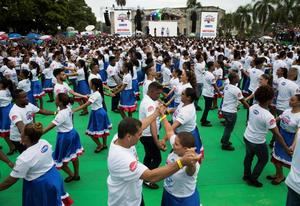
(5, 120)
(171, 200)
(103, 75)
(83, 87)
(37, 90)
(141, 76)
(127, 101)
(198, 141)
(135, 87)
(279, 154)
(48, 86)
(68, 147)
(99, 124)
(31, 98)
(158, 67)
(47, 190)
(219, 83)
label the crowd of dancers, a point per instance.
(162, 78)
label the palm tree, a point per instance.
(242, 18)
(287, 11)
(262, 11)
(193, 4)
(227, 24)
(121, 3)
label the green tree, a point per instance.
(262, 11)
(227, 24)
(121, 3)
(242, 19)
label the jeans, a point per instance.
(152, 157)
(115, 101)
(293, 198)
(208, 104)
(230, 120)
(198, 93)
(261, 151)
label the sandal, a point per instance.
(69, 179)
(271, 177)
(98, 149)
(274, 182)
(104, 147)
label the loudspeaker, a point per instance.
(106, 18)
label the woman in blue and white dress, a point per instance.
(180, 189)
(25, 85)
(102, 70)
(127, 98)
(289, 124)
(36, 85)
(48, 85)
(68, 147)
(82, 83)
(99, 123)
(43, 185)
(185, 119)
(5, 107)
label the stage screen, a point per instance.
(209, 22)
(163, 28)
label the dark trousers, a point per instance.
(152, 157)
(208, 104)
(21, 148)
(198, 93)
(261, 151)
(230, 120)
(293, 198)
(115, 101)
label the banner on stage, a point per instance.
(123, 25)
(163, 28)
(209, 21)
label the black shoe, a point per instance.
(227, 143)
(151, 185)
(254, 183)
(11, 152)
(227, 147)
(270, 177)
(206, 124)
(245, 178)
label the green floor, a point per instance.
(219, 181)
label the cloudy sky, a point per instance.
(98, 6)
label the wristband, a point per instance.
(162, 118)
(55, 113)
(179, 163)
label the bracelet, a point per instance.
(162, 118)
(55, 113)
(179, 163)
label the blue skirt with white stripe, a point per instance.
(37, 90)
(170, 200)
(67, 148)
(99, 124)
(47, 190)
(5, 120)
(279, 154)
(83, 87)
(127, 101)
(48, 85)
(135, 87)
(198, 141)
(103, 75)
(31, 97)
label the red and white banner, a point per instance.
(209, 22)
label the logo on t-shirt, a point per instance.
(14, 117)
(44, 149)
(150, 109)
(29, 115)
(272, 121)
(256, 112)
(283, 83)
(133, 166)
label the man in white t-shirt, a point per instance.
(199, 73)
(22, 113)
(126, 173)
(150, 138)
(232, 95)
(209, 88)
(112, 82)
(150, 77)
(259, 123)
